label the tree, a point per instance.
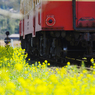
(12, 25)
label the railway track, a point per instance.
(57, 65)
(61, 63)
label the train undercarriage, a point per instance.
(58, 45)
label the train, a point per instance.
(58, 28)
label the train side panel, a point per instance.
(85, 13)
(21, 29)
(38, 17)
(61, 11)
(61, 14)
(56, 22)
(85, 9)
(28, 24)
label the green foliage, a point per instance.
(6, 52)
(9, 24)
(12, 25)
(9, 56)
(5, 4)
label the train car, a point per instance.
(58, 28)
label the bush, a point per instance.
(17, 77)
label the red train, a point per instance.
(58, 28)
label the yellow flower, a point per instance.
(43, 63)
(81, 75)
(10, 85)
(2, 90)
(38, 81)
(46, 61)
(32, 65)
(49, 70)
(29, 59)
(90, 66)
(57, 69)
(4, 74)
(9, 64)
(39, 62)
(94, 67)
(92, 60)
(27, 64)
(48, 64)
(53, 78)
(20, 92)
(22, 81)
(18, 66)
(93, 72)
(46, 73)
(94, 64)
(84, 71)
(26, 72)
(68, 63)
(66, 66)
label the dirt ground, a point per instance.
(15, 43)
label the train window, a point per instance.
(36, 1)
(34, 4)
(30, 4)
(27, 23)
(25, 7)
(28, 17)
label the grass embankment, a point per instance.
(19, 78)
(16, 43)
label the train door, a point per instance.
(34, 19)
(84, 14)
(23, 30)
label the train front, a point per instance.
(71, 24)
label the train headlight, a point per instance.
(50, 21)
(65, 49)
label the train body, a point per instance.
(55, 28)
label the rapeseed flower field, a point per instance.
(17, 77)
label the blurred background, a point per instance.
(7, 23)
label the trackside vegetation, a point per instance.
(17, 77)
